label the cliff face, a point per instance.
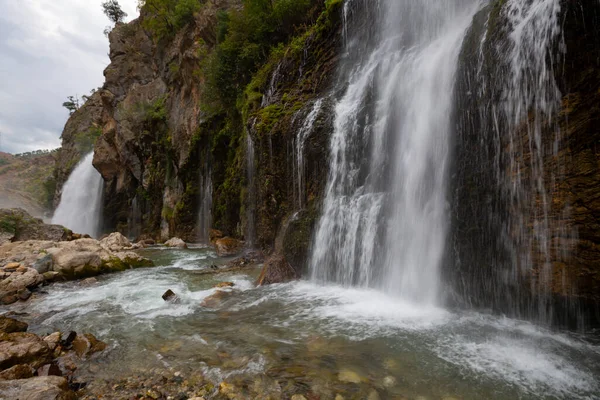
(526, 234)
(167, 158)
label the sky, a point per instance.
(49, 49)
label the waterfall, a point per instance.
(384, 221)
(303, 134)
(80, 205)
(205, 211)
(251, 199)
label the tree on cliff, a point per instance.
(113, 11)
(72, 104)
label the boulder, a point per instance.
(276, 270)
(89, 282)
(53, 340)
(20, 371)
(228, 246)
(37, 388)
(115, 242)
(51, 276)
(176, 242)
(215, 234)
(12, 288)
(85, 345)
(224, 284)
(22, 348)
(9, 325)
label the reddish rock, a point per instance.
(228, 246)
(276, 270)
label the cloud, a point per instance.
(49, 50)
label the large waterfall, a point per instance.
(385, 214)
(439, 186)
(80, 205)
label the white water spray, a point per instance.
(80, 205)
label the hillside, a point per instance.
(27, 181)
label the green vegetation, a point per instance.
(113, 11)
(86, 140)
(165, 17)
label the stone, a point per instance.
(215, 299)
(349, 376)
(51, 276)
(85, 345)
(89, 282)
(115, 242)
(66, 340)
(339, 397)
(43, 264)
(9, 298)
(298, 397)
(389, 381)
(11, 267)
(169, 295)
(276, 270)
(37, 388)
(224, 284)
(228, 246)
(49, 370)
(19, 371)
(9, 325)
(214, 234)
(22, 348)
(53, 340)
(176, 242)
(24, 294)
(373, 395)
(18, 281)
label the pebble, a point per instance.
(389, 381)
(349, 376)
(298, 397)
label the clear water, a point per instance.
(306, 334)
(80, 205)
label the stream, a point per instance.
(301, 337)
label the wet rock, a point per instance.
(298, 397)
(49, 370)
(67, 364)
(176, 242)
(9, 298)
(349, 376)
(85, 345)
(169, 295)
(276, 270)
(115, 242)
(22, 348)
(67, 339)
(9, 325)
(18, 281)
(37, 388)
(228, 246)
(224, 284)
(373, 395)
(215, 299)
(147, 242)
(20, 371)
(89, 282)
(44, 264)
(214, 234)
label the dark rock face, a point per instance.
(554, 277)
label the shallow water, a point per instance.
(304, 335)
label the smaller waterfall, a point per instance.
(251, 200)
(204, 213)
(305, 130)
(81, 201)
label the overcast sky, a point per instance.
(49, 49)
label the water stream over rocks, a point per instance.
(303, 338)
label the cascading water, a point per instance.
(205, 211)
(80, 205)
(384, 218)
(251, 200)
(299, 143)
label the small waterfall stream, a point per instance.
(80, 207)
